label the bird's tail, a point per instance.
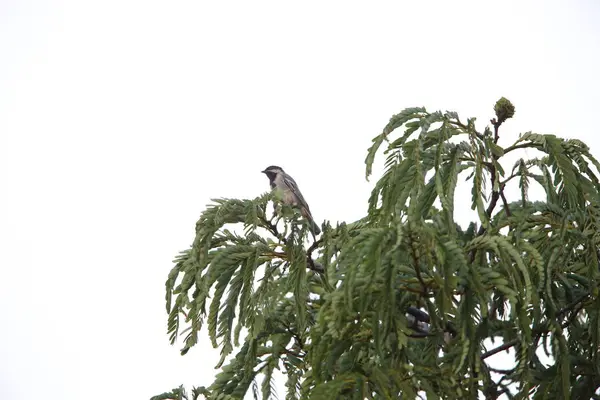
(314, 228)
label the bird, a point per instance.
(292, 196)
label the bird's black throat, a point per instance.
(271, 175)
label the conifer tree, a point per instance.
(407, 301)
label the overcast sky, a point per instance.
(120, 119)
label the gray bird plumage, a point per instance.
(291, 193)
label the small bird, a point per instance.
(291, 194)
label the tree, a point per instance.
(406, 301)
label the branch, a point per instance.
(522, 146)
(498, 349)
(313, 246)
(420, 278)
(506, 209)
(488, 212)
(416, 265)
(466, 128)
(502, 371)
(571, 317)
(571, 306)
(312, 264)
(290, 352)
(416, 290)
(495, 195)
(486, 164)
(295, 335)
(504, 182)
(496, 126)
(271, 227)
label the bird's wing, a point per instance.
(293, 186)
(304, 209)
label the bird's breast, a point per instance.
(289, 197)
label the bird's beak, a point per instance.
(264, 172)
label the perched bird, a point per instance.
(291, 194)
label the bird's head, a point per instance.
(272, 171)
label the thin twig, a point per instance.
(314, 246)
(273, 229)
(296, 335)
(466, 128)
(312, 264)
(418, 273)
(290, 352)
(506, 209)
(512, 176)
(498, 349)
(522, 146)
(572, 305)
(488, 212)
(486, 164)
(572, 317)
(501, 371)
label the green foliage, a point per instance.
(405, 301)
(181, 394)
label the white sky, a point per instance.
(119, 120)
